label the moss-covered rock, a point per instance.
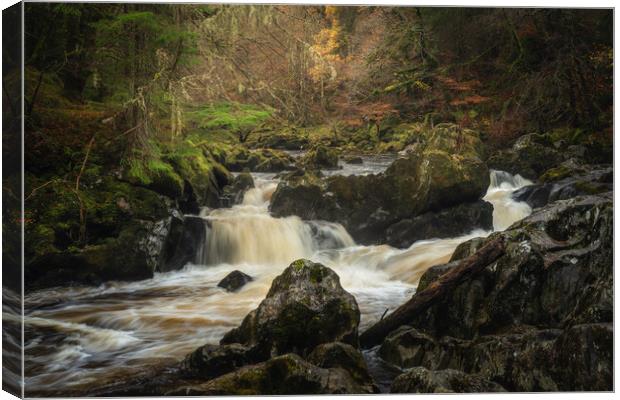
(123, 258)
(321, 157)
(448, 162)
(305, 307)
(282, 375)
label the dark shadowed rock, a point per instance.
(449, 222)
(421, 380)
(354, 160)
(305, 307)
(234, 281)
(566, 181)
(287, 374)
(233, 193)
(530, 156)
(185, 238)
(538, 318)
(344, 356)
(210, 361)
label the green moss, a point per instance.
(230, 116)
(298, 265)
(590, 188)
(555, 174)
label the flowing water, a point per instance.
(80, 336)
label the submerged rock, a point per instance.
(234, 281)
(421, 380)
(305, 307)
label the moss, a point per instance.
(298, 265)
(231, 116)
(590, 187)
(556, 174)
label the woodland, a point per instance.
(416, 199)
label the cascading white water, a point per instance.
(119, 328)
(506, 211)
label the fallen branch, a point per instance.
(434, 292)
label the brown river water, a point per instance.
(78, 337)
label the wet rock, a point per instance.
(466, 249)
(530, 156)
(566, 181)
(430, 275)
(424, 181)
(233, 193)
(210, 361)
(582, 358)
(305, 307)
(421, 380)
(354, 160)
(346, 357)
(556, 269)
(287, 374)
(125, 258)
(321, 157)
(302, 193)
(234, 281)
(544, 304)
(185, 238)
(449, 222)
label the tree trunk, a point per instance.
(435, 292)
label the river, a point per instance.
(82, 336)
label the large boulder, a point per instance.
(321, 157)
(447, 162)
(185, 239)
(303, 193)
(305, 307)
(287, 374)
(421, 380)
(124, 258)
(519, 320)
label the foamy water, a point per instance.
(83, 335)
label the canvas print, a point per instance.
(218, 199)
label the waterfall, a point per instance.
(247, 233)
(506, 211)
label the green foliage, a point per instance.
(233, 116)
